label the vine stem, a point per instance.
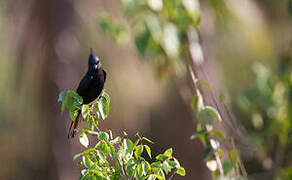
(240, 164)
(218, 160)
(219, 163)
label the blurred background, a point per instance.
(44, 47)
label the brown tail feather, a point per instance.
(73, 126)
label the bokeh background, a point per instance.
(44, 47)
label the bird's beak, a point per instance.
(95, 66)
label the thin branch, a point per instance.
(240, 164)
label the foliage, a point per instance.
(165, 34)
(159, 29)
(114, 158)
(211, 137)
(267, 107)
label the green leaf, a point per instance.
(203, 83)
(128, 145)
(198, 133)
(73, 112)
(140, 169)
(112, 149)
(151, 177)
(148, 150)
(147, 167)
(130, 168)
(86, 161)
(160, 173)
(173, 164)
(227, 167)
(84, 173)
(62, 96)
(194, 103)
(117, 176)
(218, 133)
(155, 165)
(161, 157)
(148, 140)
(165, 167)
(142, 41)
(137, 142)
(103, 107)
(116, 140)
(168, 152)
(144, 168)
(181, 171)
(233, 157)
(106, 96)
(138, 151)
(157, 176)
(78, 99)
(87, 151)
(103, 147)
(77, 156)
(207, 153)
(213, 112)
(102, 156)
(103, 136)
(175, 160)
(85, 112)
(83, 139)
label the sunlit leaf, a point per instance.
(203, 83)
(168, 152)
(103, 136)
(214, 144)
(128, 145)
(139, 169)
(85, 112)
(157, 176)
(83, 139)
(173, 164)
(86, 161)
(212, 165)
(213, 112)
(138, 151)
(148, 150)
(148, 140)
(181, 171)
(198, 133)
(130, 168)
(170, 42)
(218, 134)
(103, 107)
(165, 167)
(77, 156)
(161, 157)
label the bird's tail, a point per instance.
(73, 126)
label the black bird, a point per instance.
(90, 87)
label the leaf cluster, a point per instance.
(266, 108)
(211, 137)
(114, 158)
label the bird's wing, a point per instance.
(84, 84)
(104, 75)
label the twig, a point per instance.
(219, 163)
(173, 173)
(240, 164)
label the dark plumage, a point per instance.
(90, 87)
